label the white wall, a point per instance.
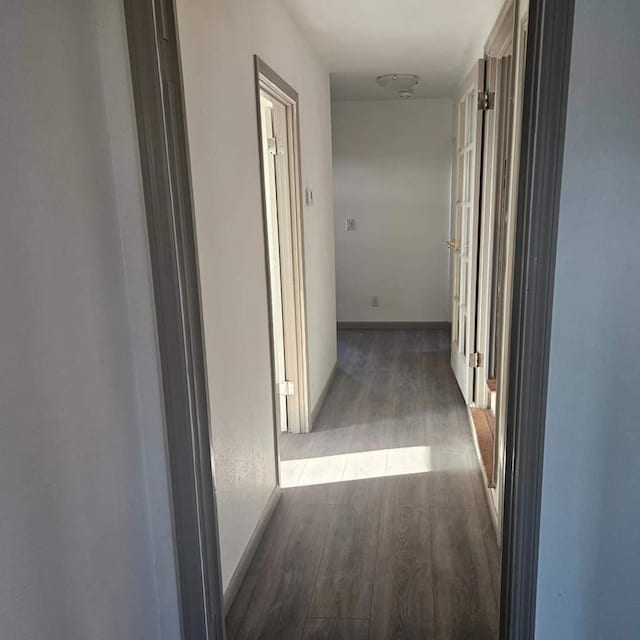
(589, 560)
(86, 547)
(392, 174)
(218, 40)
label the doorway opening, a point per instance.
(277, 106)
(157, 84)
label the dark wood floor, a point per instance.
(389, 535)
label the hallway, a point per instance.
(383, 530)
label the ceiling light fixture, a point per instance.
(400, 83)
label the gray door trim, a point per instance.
(546, 83)
(162, 133)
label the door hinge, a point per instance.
(287, 388)
(486, 100)
(275, 146)
(474, 360)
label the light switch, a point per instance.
(351, 224)
(308, 196)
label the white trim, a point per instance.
(502, 373)
(499, 44)
(297, 324)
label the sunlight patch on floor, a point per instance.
(360, 465)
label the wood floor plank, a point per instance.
(407, 428)
(241, 606)
(371, 431)
(345, 579)
(282, 575)
(465, 605)
(445, 426)
(403, 605)
(451, 481)
(393, 537)
(321, 494)
(323, 629)
(486, 526)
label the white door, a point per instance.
(289, 382)
(464, 243)
(284, 241)
(269, 152)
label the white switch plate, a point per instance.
(351, 224)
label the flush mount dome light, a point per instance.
(400, 83)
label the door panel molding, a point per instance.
(546, 83)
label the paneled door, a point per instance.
(464, 244)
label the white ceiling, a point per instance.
(361, 39)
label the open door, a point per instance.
(464, 243)
(278, 128)
(268, 108)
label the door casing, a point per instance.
(166, 176)
(496, 144)
(546, 88)
(290, 222)
(275, 257)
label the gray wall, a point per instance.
(589, 564)
(86, 546)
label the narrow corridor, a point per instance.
(383, 530)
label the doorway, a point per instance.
(277, 106)
(537, 213)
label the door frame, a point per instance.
(546, 88)
(166, 177)
(500, 41)
(502, 392)
(178, 313)
(274, 267)
(268, 80)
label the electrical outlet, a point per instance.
(351, 224)
(375, 301)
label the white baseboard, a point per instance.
(323, 395)
(243, 566)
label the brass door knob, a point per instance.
(451, 244)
